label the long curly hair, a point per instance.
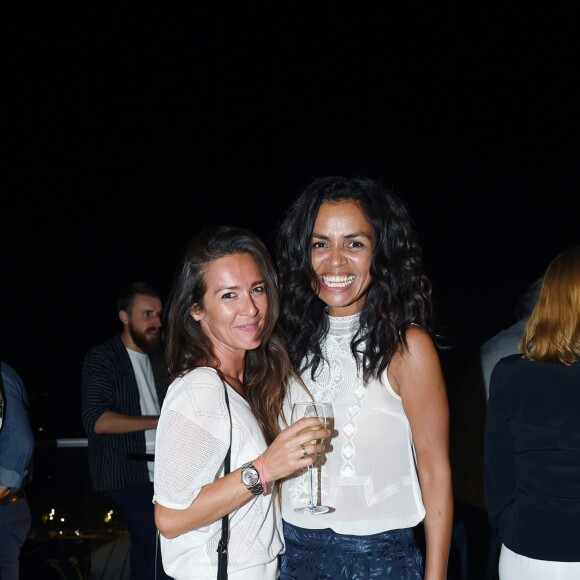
(267, 367)
(399, 294)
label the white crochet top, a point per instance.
(369, 474)
(193, 435)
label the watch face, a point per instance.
(250, 476)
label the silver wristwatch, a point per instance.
(251, 478)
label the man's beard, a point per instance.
(147, 341)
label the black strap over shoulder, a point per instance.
(223, 543)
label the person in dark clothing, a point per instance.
(532, 436)
(123, 383)
(16, 449)
(474, 555)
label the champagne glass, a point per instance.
(311, 409)
(329, 424)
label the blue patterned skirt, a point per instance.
(326, 555)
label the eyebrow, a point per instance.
(349, 236)
(252, 285)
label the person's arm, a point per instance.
(16, 437)
(226, 494)
(498, 458)
(416, 375)
(112, 422)
(99, 397)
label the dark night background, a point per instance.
(128, 131)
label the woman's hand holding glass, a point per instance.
(294, 448)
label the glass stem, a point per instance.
(311, 500)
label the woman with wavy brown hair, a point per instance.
(228, 369)
(532, 436)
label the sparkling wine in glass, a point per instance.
(311, 409)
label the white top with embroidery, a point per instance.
(193, 435)
(369, 473)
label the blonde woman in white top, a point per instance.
(357, 314)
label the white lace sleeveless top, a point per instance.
(369, 474)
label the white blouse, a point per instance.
(193, 435)
(369, 473)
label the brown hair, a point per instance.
(552, 333)
(267, 367)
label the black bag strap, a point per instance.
(223, 543)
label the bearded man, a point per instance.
(123, 385)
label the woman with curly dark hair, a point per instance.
(357, 316)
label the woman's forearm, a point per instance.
(214, 501)
(438, 522)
